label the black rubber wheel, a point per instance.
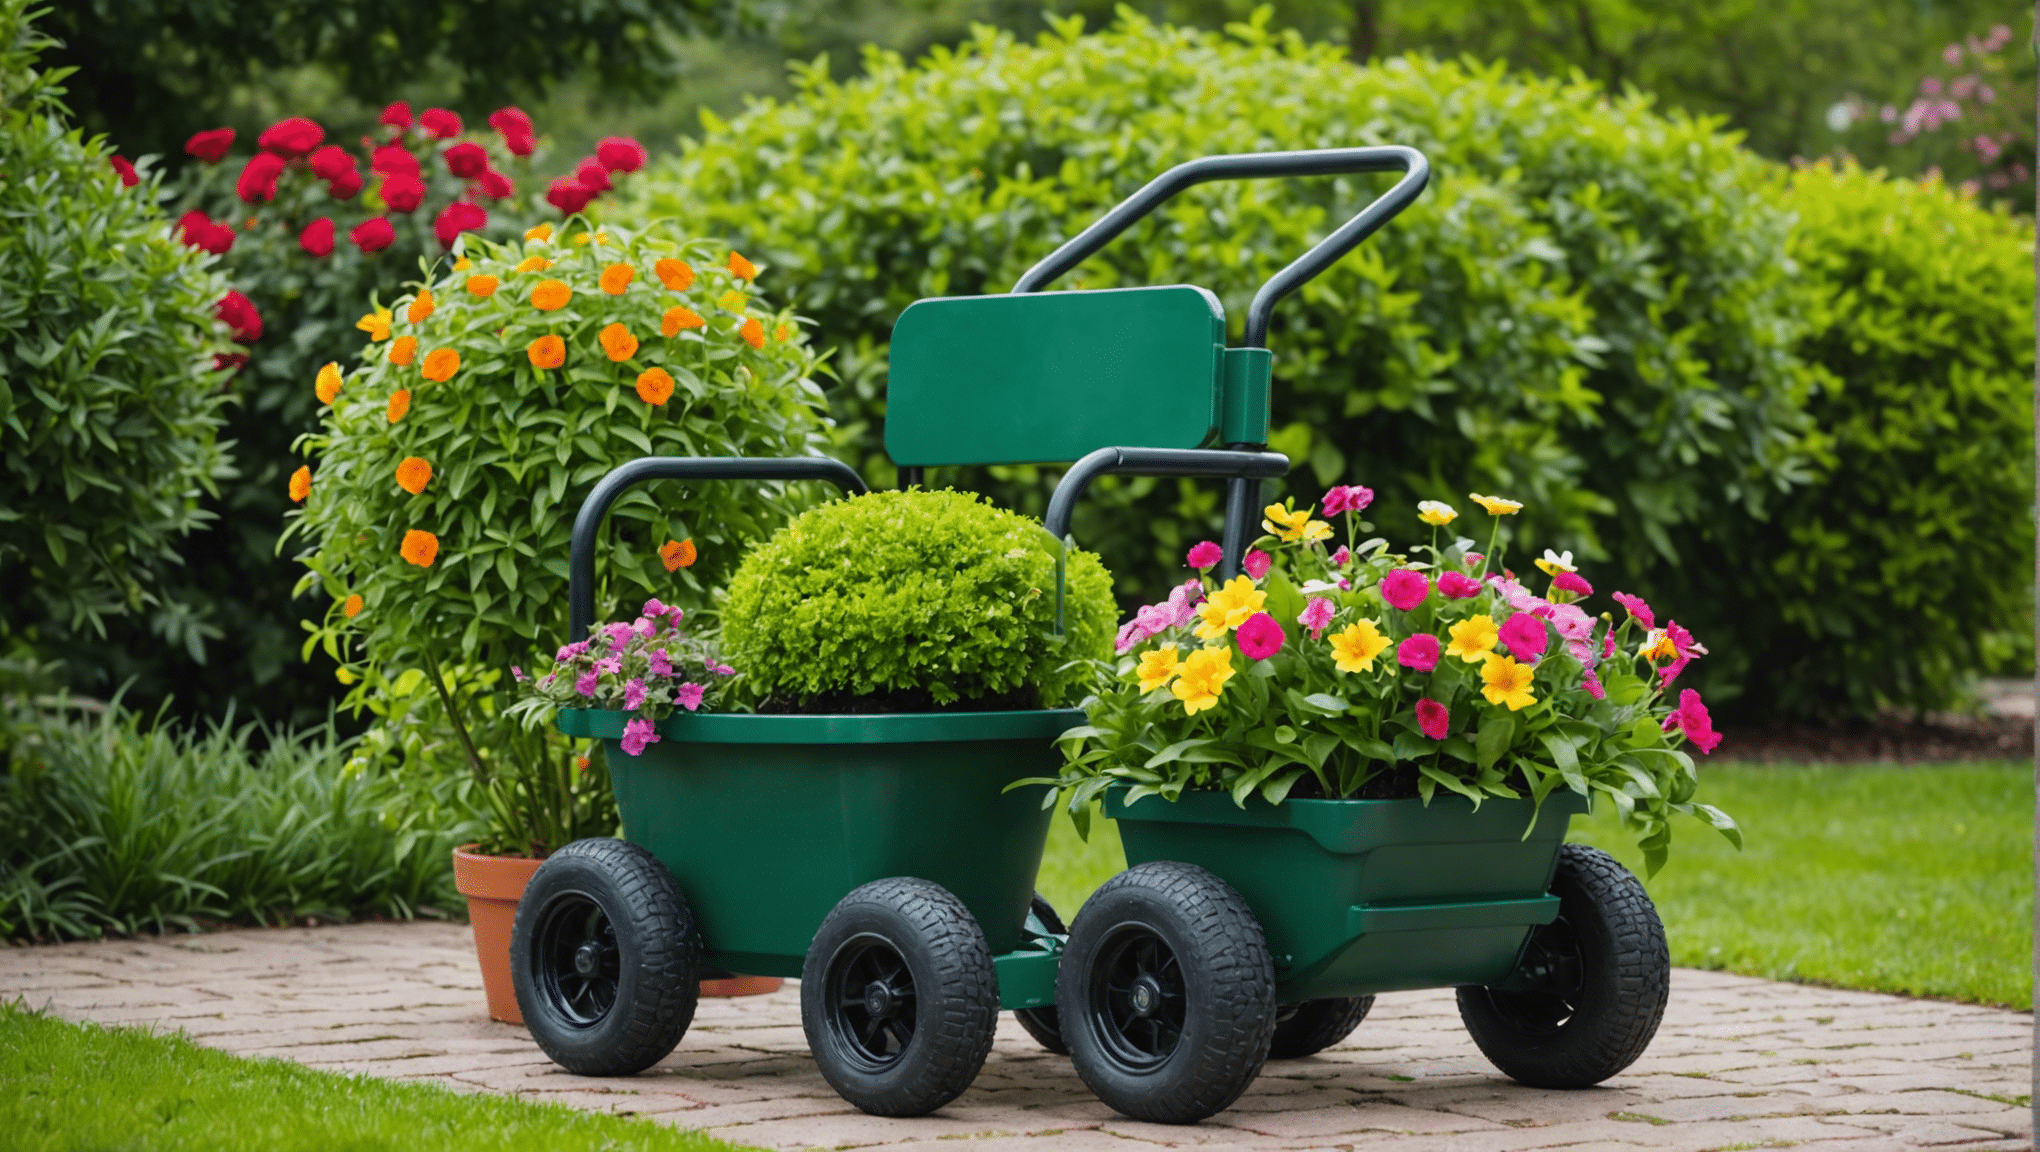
(1309, 1028)
(899, 998)
(1594, 982)
(1167, 993)
(604, 958)
(1042, 1023)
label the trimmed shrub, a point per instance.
(109, 401)
(916, 597)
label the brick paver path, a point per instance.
(1739, 1063)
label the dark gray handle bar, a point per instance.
(1322, 162)
(581, 560)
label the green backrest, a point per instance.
(1044, 377)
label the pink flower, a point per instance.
(344, 186)
(1571, 582)
(568, 195)
(662, 664)
(517, 673)
(569, 651)
(1691, 718)
(637, 734)
(1317, 616)
(634, 694)
(690, 696)
(1347, 498)
(609, 664)
(1204, 554)
(1458, 586)
(1637, 609)
(1593, 684)
(1525, 636)
(1682, 643)
(1419, 653)
(653, 607)
(644, 626)
(721, 669)
(1257, 563)
(373, 234)
(330, 162)
(1405, 588)
(1342, 556)
(1572, 623)
(619, 634)
(1608, 644)
(1473, 559)
(1434, 718)
(585, 685)
(1261, 637)
(497, 186)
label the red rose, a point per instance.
(211, 144)
(128, 179)
(397, 116)
(467, 160)
(620, 154)
(329, 162)
(257, 184)
(403, 193)
(568, 195)
(439, 123)
(317, 238)
(518, 135)
(373, 234)
(456, 218)
(291, 138)
(394, 160)
(239, 314)
(497, 186)
(592, 175)
(232, 360)
(344, 186)
(199, 231)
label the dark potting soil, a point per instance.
(901, 700)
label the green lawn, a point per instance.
(1897, 879)
(66, 1087)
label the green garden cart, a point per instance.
(883, 860)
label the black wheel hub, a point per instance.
(575, 959)
(871, 1002)
(1549, 983)
(1137, 998)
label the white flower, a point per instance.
(1555, 562)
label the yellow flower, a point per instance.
(328, 383)
(376, 324)
(732, 301)
(1158, 667)
(1657, 645)
(1503, 681)
(1495, 505)
(1200, 678)
(421, 307)
(538, 232)
(1285, 525)
(532, 264)
(462, 264)
(1555, 562)
(1473, 638)
(1229, 607)
(1354, 649)
(1434, 512)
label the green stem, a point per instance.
(481, 773)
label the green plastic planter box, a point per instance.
(768, 821)
(1365, 896)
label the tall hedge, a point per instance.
(109, 401)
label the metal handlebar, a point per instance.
(1321, 162)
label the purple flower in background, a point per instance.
(690, 696)
(586, 684)
(634, 695)
(1572, 582)
(637, 734)
(1347, 498)
(662, 664)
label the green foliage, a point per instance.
(109, 405)
(914, 592)
(110, 824)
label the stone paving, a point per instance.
(1739, 1063)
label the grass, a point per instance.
(72, 1088)
(1917, 880)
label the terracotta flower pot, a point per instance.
(493, 885)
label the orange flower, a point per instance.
(617, 277)
(352, 607)
(301, 480)
(538, 232)
(532, 264)
(783, 333)
(481, 285)
(400, 403)
(753, 333)
(328, 383)
(441, 364)
(403, 350)
(420, 308)
(420, 548)
(677, 318)
(376, 324)
(547, 352)
(744, 269)
(677, 554)
(655, 386)
(413, 473)
(618, 343)
(675, 274)
(550, 295)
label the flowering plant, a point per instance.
(648, 666)
(1358, 672)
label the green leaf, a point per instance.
(1496, 734)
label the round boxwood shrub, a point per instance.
(898, 601)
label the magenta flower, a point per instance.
(1593, 683)
(645, 626)
(1434, 718)
(1608, 644)
(586, 684)
(1458, 586)
(1525, 636)
(1257, 563)
(1571, 582)
(1405, 588)
(1317, 616)
(609, 664)
(1261, 637)
(634, 694)
(1342, 557)
(662, 662)
(517, 673)
(721, 669)
(568, 652)
(653, 608)
(1204, 554)
(1682, 644)
(1347, 498)
(1473, 559)
(1637, 609)
(1419, 653)
(1572, 623)
(637, 734)
(619, 634)
(1691, 718)
(690, 696)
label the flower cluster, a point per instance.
(1969, 118)
(649, 666)
(614, 156)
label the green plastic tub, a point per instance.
(768, 821)
(1365, 896)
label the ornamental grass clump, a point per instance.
(910, 601)
(1359, 673)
